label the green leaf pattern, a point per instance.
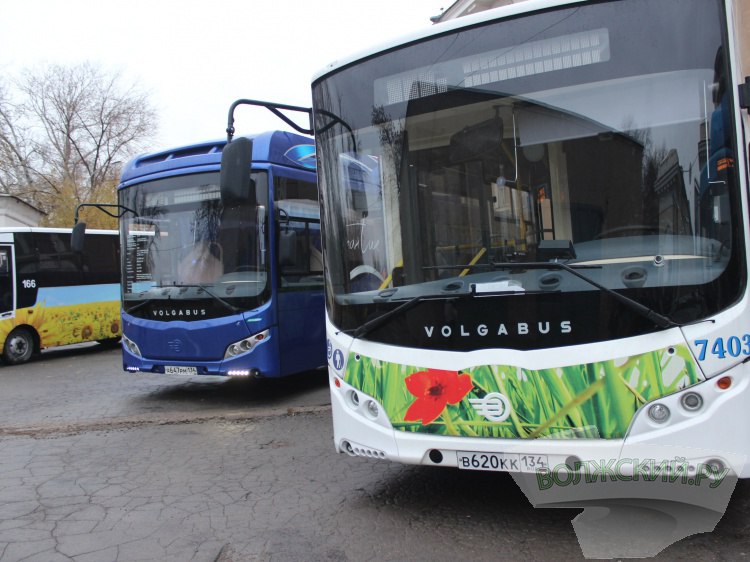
(591, 400)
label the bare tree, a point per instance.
(65, 142)
(15, 150)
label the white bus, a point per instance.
(535, 227)
(52, 296)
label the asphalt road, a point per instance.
(100, 465)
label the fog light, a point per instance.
(692, 401)
(354, 399)
(659, 413)
(372, 408)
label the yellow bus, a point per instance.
(52, 296)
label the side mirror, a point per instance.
(77, 236)
(477, 142)
(480, 143)
(234, 179)
(287, 248)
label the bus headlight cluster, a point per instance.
(132, 347)
(371, 407)
(690, 402)
(245, 345)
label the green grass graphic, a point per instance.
(593, 400)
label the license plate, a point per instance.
(180, 370)
(501, 462)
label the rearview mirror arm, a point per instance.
(276, 109)
(103, 208)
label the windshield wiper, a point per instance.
(658, 319)
(378, 321)
(655, 317)
(203, 287)
(411, 303)
(218, 299)
(136, 307)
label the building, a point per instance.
(16, 212)
(467, 7)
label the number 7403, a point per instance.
(734, 347)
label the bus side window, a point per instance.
(101, 260)
(6, 280)
(57, 264)
(300, 248)
(27, 262)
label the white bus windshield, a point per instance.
(586, 134)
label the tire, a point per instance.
(19, 346)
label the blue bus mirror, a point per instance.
(77, 236)
(287, 248)
(482, 143)
(234, 179)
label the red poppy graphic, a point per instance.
(435, 389)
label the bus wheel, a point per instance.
(19, 345)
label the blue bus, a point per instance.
(217, 282)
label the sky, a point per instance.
(194, 58)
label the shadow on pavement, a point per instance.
(220, 392)
(67, 352)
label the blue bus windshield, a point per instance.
(186, 244)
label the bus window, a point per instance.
(6, 279)
(300, 257)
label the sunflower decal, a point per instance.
(63, 325)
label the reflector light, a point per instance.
(724, 382)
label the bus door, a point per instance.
(7, 284)
(300, 301)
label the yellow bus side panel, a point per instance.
(64, 325)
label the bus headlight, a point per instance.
(245, 345)
(659, 413)
(132, 347)
(692, 401)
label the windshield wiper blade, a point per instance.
(138, 306)
(370, 325)
(648, 313)
(218, 299)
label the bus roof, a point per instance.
(441, 28)
(273, 147)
